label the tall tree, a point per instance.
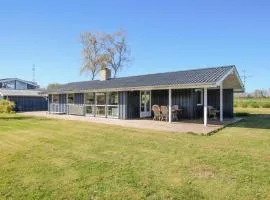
(93, 53)
(54, 86)
(117, 50)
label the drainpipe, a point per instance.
(170, 105)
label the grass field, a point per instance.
(252, 102)
(54, 159)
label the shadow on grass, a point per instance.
(257, 121)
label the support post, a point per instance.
(205, 107)
(48, 99)
(221, 102)
(170, 105)
(53, 110)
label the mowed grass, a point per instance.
(57, 159)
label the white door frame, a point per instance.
(145, 113)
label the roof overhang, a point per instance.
(157, 87)
(232, 80)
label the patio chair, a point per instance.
(156, 111)
(164, 113)
(175, 109)
(212, 112)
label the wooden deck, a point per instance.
(192, 126)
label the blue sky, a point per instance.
(163, 36)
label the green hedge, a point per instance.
(6, 106)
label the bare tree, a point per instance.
(117, 50)
(54, 86)
(104, 50)
(92, 53)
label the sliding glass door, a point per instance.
(101, 104)
(90, 104)
(112, 104)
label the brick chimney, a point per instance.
(105, 74)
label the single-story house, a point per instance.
(132, 97)
(25, 100)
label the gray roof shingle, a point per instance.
(187, 77)
(12, 92)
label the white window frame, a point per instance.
(199, 90)
(108, 105)
(55, 95)
(100, 105)
(92, 105)
(73, 94)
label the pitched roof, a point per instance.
(205, 76)
(12, 92)
(17, 79)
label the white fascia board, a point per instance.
(224, 77)
(235, 72)
(187, 86)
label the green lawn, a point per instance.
(56, 159)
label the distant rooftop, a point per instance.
(17, 79)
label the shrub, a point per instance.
(254, 104)
(6, 106)
(236, 104)
(266, 105)
(241, 114)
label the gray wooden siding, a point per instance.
(28, 103)
(184, 98)
(129, 102)
(122, 105)
(133, 105)
(160, 97)
(214, 100)
(79, 98)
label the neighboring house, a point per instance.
(25, 100)
(133, 97)
(17, 84)
(25, 94)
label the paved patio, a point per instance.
(194, 126)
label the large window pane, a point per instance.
(101, 98)
(113, 98)
(90, 98)
(147, 101)
(112, 111)
(55, 98)
(90, 110)
(20, 85)
(9, 85)
(142, 101)
(100, 110)
(71, 98)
